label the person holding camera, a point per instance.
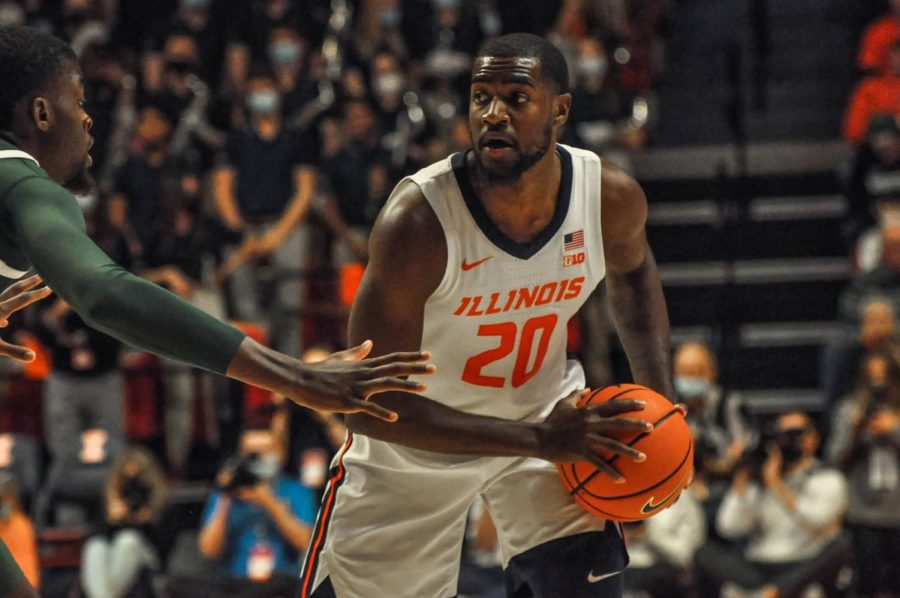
(258, 522)
(114, 560)
(865, 443)
(790, 509)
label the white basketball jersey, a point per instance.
(496, 325)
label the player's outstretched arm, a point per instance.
(50, 229)
(632, 281)
(408, 257)
(15, 297)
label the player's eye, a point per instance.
(520, 98)
(479, 97)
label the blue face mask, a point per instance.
(390, 18)
(264, 101)
(284, 52)
(689, 387)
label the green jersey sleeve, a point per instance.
(49, 228)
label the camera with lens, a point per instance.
(247, 471)
(788, 442)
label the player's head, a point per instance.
(518, 101)
(42, 102)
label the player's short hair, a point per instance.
(527, 45)
(29, 60)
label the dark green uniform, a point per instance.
(42, 227)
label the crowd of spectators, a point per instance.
(243, 151)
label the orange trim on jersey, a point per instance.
(312, 558)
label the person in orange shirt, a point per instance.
(17, 531)
(877, 39)
(877, 94)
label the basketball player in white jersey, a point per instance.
(483, 258)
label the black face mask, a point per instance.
(181, 67)
(878, 391)
(789, 443)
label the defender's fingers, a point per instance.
(399, 357)
(20, 287)
(16, 352)
(617, 406)
(371, 387)
(617, 447)
(376, 410)
(14, 304)
(402, 369)
(357, 353)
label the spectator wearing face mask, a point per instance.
(167, 75)
(287, 57)
(602, 116)
(257, 524)
(790, 514)
(715, 421)
(263, 186)
(865, 443)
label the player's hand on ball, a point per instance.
(590, 433)
(14, 298)
(345, 380)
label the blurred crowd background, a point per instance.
(243, 150)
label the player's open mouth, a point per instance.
(496, 147)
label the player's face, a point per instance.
(512, 113)
(71, 139)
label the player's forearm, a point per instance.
(147, 316)
(428, 425)
(639, 309)
(261, 366)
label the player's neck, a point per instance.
(524, 207)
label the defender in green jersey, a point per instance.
(44, 146)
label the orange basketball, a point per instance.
(650, 486)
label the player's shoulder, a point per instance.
(20, 175)
(408, 218)
(617, 185)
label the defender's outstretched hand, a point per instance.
(345, 380)
(14, 298)
(341, 383)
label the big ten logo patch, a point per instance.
(573, 259)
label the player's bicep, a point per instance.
(384, 315)
(407, 261)
(50, 229)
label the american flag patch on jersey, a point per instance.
(573, 240)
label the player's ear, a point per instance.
(40, 113)
(561, 106)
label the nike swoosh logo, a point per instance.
(595, 578)
(466, 266)
(651, 506)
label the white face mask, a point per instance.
(592, 66)
(388, 84)
(689, 387)
(284, 52)
(264, 101)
